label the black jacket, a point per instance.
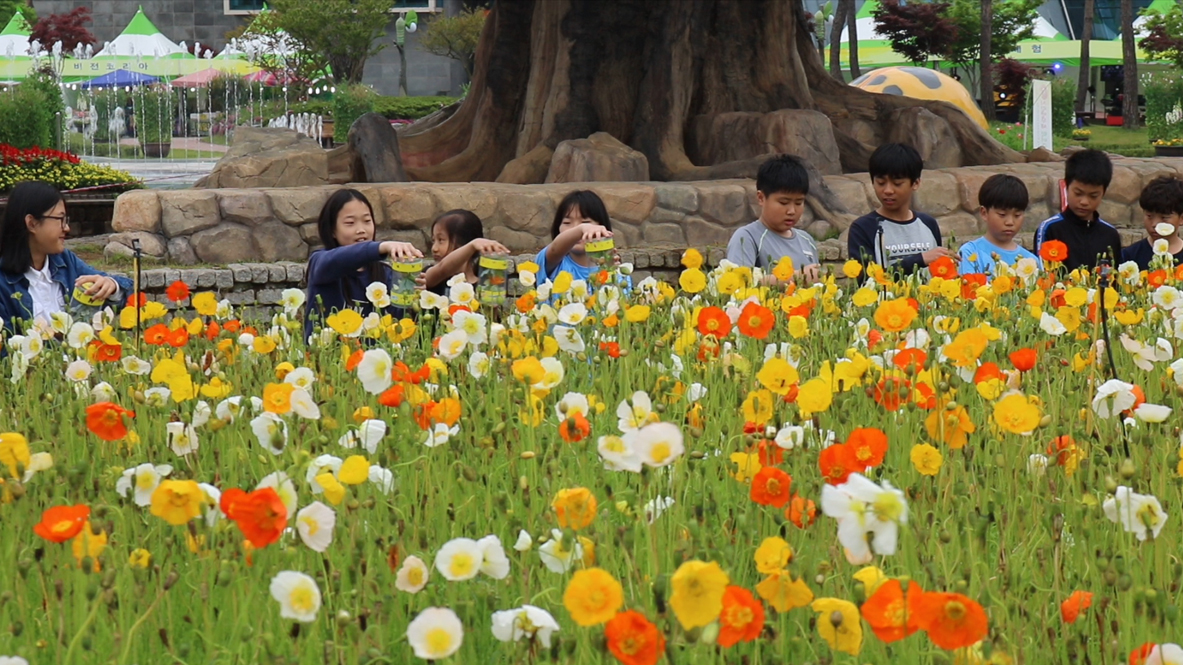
(1141, 253)
(1088, 240)
(919, 235)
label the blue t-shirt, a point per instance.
(977, 256)
(568, 264)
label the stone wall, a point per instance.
(228, 226)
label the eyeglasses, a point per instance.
(64, 219)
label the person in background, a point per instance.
(38, 275)
(580, 218)
(351, 259)
(1002, 202)
(457, 240)
(1089, 238)
(782, 183)
(893, 235)
(1162, 206)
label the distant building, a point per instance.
(208, 21)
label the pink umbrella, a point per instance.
(197, 79)
(266, 78)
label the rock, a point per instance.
(727, 137)
(969, 183)
(679, 197)
(372, 194)
(244, 206)
(416, 237)
(938, 194)
(137, 210)
(408, 206)
(663, 234)
(310, 233)
(270, 157)
(529, 169)
(1068, 151)
(628, 203)
(279, 242)
(929, 133)
(482, 201)
(150, 244)
(298, 206)
(701, 233)
(821, 229)
(516, 241)
(1036, 214)
(724, 202)
(598, 158)
(180, 251)
(1042, 154)
(189, 211)
(375, 150)
(225, 243)
(342, 165)
(961, 225)
(1126, 185)
(851, 193)
(529, 211)
(1117, 214)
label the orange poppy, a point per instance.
(575, 508)
(105, 419)
(354, 360)
(131, 300)
(633, 639)
(770, 454)
(392, 396)
(61, 523)
(1061, 448)
(952, 620)
(1023, 359)
(447, 411)
(756, 321)
(944, 267)
(867, 446)
(801, 511)
(1156, 278)
(891, 612)
(874, 337)
(1139, 399)
(233, 326)
(177, 291)
(177, 338)
(611, 348)
(970, 283)
(988, 371)
(574, 429)
(1053, 251)
(1138, 656)
(742, 617)
(714, 322)
(157, 334)
(212, 330)
(708, 349)
(525, 303)
(770, 487)
(106, 353)
(1078, 602)
(892, 392)
(910, 360)
(403, 374)
(926, 397)
(836, 463)
(895, 315)
(261, 515)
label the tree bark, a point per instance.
(852, 37)
(642, 70)
(1130, 118)
(836, 38)
(1086, 36)
(402, 69)
(986, 74)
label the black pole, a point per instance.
(135, 245)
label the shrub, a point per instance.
(60, 169)
(54, 108)
(410, 108)
(1063, 107)
(23, 121)
(154, 116)
(1164, 105)
(349, 104)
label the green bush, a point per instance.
(1164, 105)
(154, 116)
(349, 104)
(410, 108)
(105, 102)
(54, 107)
(1063, 107)
(23, 121)
(62, 170)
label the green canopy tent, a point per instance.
(14, 38)
(142, 39)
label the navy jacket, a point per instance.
(904, 242)
(65, 268)
(1088, 241)
(1141, 253)
(335, 283)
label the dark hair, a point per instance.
(1003, 192)
(1089, 167)
(462, 226)
(326, 228)
(34, 198)
(896, 160)
(783, 173)
(1163, 196)
(588, 202)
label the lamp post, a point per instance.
(408, 22)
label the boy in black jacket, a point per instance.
(1089, 238)
(1162, 206)
(894, 236)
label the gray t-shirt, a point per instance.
(756, 246)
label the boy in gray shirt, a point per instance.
(781, 186)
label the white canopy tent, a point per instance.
(14, 39)
(142, 38)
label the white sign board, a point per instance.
(1041, 114)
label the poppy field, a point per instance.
(955, 470)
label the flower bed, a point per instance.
(63, 170)
(864, 470)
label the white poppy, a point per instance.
(618, 454)
(459, 559)
(213, 497)
(78, 371)
(1164, 654)
(1167, 297)
(452, 344)
(374, 371)
(559, 556)
(474, 325)
(1051, 325)
(1037, 464)
(292, 300)
(143, 479)
(478, 364)
(321, 464)
(569, 339)
(412, 576)
(303, 405)
(435, 634)
(861, 506)
(157, 397)
(80, 335)
(790, 437)
(524, 541)
(571, 404)
(696, 392)
(1140, 514)
(301, 377)
(315, 524)
(657, 444)
(134, 365)
(528, 622)
(378, 295)
(271, 431)
(634, 415)
(439, 435)
(382, 477)
(552, 374)
(37, 462)
(228, 409)
(103, 392)
(494, 562)
(462, 293)
(1113, 397)
(1152, 413)
(573, 314)
(298, 596)
(429, 300)
(656, 507)
(181, 438)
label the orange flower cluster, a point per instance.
(105, 419)
(261, 515)
(864, 448)
(951, 620)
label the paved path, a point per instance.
(161, 173)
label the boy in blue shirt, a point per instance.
(1003, 201)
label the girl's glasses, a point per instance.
(64, 219)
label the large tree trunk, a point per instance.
(1130, 118)
(986, 75)
(643, 70)
(1086, 73)
(852, 37)
(844, 6)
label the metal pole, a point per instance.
(135, 245)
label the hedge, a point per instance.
(1164, 105)
(63, 170)
(23, 120)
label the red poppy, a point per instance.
(801, 511)
(354, 360)
(633, 639)
(952, 620)
(1156, 278)
(988, 371)
(1138, 656)
(944, 267)
(403, 374)
(261, 515)
(836, 463)
(742, 617)
(233, 326)
(105, 419)
(927, 398)
(867, 447)
(61, 523)
(770, 454)
(770, 487)
(157, 334)
(708, 349)
(910, 360)
(1078, 602)
(393, 396)
(1024, 359)
(575, 428)
(611, 348)
(756, 320)
(1053, 251)
(892, 392)
(892, 613)
(177, 291)
(970, 282)
(212, 330)
(874, 337)
(177, 338)
(713, 322)
(131, 300)
(791, 396)
(106, 353)
(1061, 449)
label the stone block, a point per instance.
(725, 137)
(1118, 214)
(930, 134)
(206, 279)
(310, 234)
(960, 225)
(663, 216)
(701, 233)
(724, 202)
(224, 279)
(417, 237)
(408, 206)
(260, 273)
(277, 273)
(529, 169)
(969, 183)
(171, 276)
(244, 206)
(939, 194)
(185, 212)
(279, 242)
(528, 211)
(373, 194)
(242, 272)
(1125, 187)
(243, 297)
(677, 196)
(1035, 215)
(851, 193)
(295, 272)
(664, 234)
(270, 157)
(831, 250)
(225, 243)
(299, 205)
(268, 296)
(626, 235)
(482, 200)
(598, 158)
(180, 251)
(628, 203)
(153, 279)
(137, 210)
(150, 244)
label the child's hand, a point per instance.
(939, 252)
(486, 246)
(399, 250)
(812, 273)
(594, 232)
(421, 281)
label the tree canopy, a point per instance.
(1164, 36)
(919, 31)
(345, 32)
(455, 37)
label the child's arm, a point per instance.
(454, 262)
(331, 265)
(741, 249)
(567, 240)
(860, 243)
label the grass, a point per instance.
(1111, 139)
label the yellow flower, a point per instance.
(1016, 414)
(334, 491)
(798, 326)
(593, 597)
(748, 466)
(697, 597)
(277, 397)
(839, 624)
(140, 558)
(990, 388)
(871, 577)
(956, 423)
(777, 375)
(772, 555)
(692, 280)
(355, 470)
(574, 508)
(757, 408)
(729, 282)
(895, 315)
(528, 266)
(177, 501)
(345, 322)
(926, 459)
(88, 544)
(783, 592)
(362, 414)
(14, 453)
(864, 297)
(692, 259)
(814, 397)
(528, 370)
(534, 414)
(636, 313)
(1129, 317)
(206, 303)
(153, 310)
(562, 283)
(852, 268)
(215, 389)
(1076, 296)
(175, 373)
(783, 270)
